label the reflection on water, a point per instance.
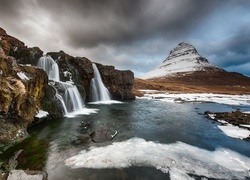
(160, 122)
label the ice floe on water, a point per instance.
(180, 160)
(235, 131)
(214, 98)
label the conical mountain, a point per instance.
(186, 71)
(183, 58)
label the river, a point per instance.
(155, 140)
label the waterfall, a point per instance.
(98, 91)
(66, 93)
(50, 67)
(72, 97)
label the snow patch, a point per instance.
(23, 76)
(245, 125)
(178, 159)
(212, 98)
(42, 114)
(235, 131)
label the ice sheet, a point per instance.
(178, 159)
(235, 131)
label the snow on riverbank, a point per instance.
(180, 160)
(213, 98)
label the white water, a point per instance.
(50, 67)
(71, 100)
(98, 91)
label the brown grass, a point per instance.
(198, 82)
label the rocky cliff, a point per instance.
(21, 94)
(24, 88)
(80, 71)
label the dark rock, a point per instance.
(21, 91)
(236, 117)
(82, 139)
(80, 70)
(103, 134)
(85, 125)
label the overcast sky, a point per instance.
(134, 34)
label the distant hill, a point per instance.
(185, 71)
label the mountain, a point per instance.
(183, 58)
(185, 71)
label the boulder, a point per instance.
(103, 134)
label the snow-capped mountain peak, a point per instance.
(183, 58)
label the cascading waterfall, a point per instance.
(66, 93)
(98, 91)
(50, 67)
(72, 97)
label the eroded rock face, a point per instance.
(21, 91)
(119, 83)
(80, 70)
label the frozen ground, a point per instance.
(201, 98)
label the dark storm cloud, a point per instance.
(235, 50)
(130, 34)
(87, 23)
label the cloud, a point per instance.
(90, 23)
(234, 51)
(131, 34)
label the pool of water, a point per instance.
(155, 140)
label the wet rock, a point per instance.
(85, 125)
(103, 134)
(235, 117)
(24, 175)
(83, 139)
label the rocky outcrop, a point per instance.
(22, 89)
(80, 71)
(17, 49)
(119, 83)
(21, 92)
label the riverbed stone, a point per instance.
(82, 139)
(27, 175)
(103, 134)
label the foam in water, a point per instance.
(50, 67)
(178, 159)
(98, 91)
